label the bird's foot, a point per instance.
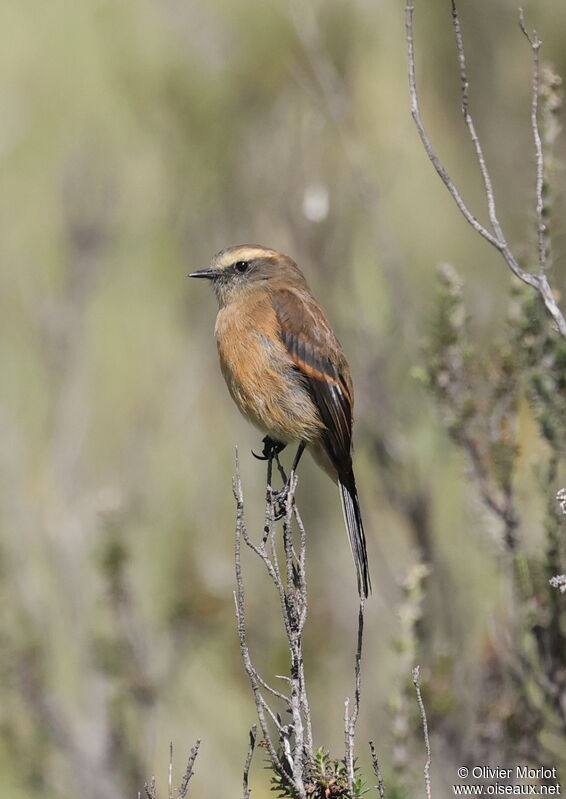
(271, 449)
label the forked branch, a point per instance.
(150, 788)
(289, 745)
(284, 716)
(495, 235)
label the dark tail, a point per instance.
(355, 527)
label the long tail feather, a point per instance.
(355, 527)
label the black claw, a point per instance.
(271, 449)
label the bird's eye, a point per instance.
(241, 266)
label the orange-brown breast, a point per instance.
(259, 373)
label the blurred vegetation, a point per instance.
(138, 138)
(480, 396)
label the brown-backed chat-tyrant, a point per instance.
(286, 370)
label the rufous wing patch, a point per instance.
(328, 386)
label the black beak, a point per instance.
(208, 273)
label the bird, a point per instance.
(286, 370)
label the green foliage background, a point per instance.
(137, 138)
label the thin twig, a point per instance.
(358, 662)
(292, 752)
(189, 770)
(247, 764)
(302, 581)
(417, 685)
(350, 721)
(273, 691)
(471, 126)
(535, 44)
(539, 281)
(150, 789)
(377, 771)
(348, 759)
(294, 623)
(261, 705)
(416, 114)
(294, 738)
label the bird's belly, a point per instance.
(267, 389)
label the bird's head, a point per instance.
(239, 270)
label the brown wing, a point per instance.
(318, 356)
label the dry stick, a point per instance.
(535, 44)
(290, 619)
(299, 593)
(183, 787)
(150, 790)
(247, 764)
(303, 588)
(358, 661)
(417, 685)
(291, 588)
(538, 282)
(471, 126)
(264, 684)
(348, 747)
(295, 619)
(350, 721)
(377, 771)
(272, 566)
(261, 705)
(416, 114)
